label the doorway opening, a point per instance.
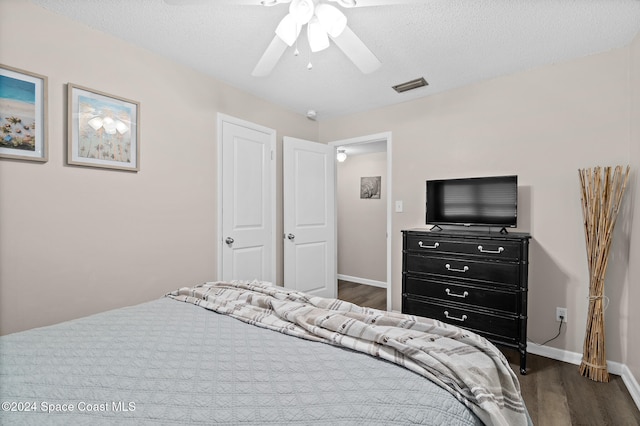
(364, 224)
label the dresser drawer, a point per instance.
(491, 249)
(460, 268)
(491, 298)
(491, 325)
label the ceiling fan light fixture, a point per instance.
(301, 11)
(288, 30)
(331, 18)
(318, 38)
(332, 24)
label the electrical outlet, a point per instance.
(561, 312)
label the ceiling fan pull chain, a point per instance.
(309, 65)
(296, 52)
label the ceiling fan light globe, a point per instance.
(301, 10)
(331, 18)
(318, 38)
(288, 30)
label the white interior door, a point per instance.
(247, 203)
(309, 217)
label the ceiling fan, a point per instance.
(324, 22)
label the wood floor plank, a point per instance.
(580, 389)
(552, 398)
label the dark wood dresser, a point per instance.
(475, 280)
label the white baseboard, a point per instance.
(554, 353)
(632, 384)
(576, 358)
(364, 281)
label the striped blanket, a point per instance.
(463, 363)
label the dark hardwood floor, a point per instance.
(555, 393)
(363, 295)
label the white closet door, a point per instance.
(247, 232)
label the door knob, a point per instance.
(291, 237)
(229, 240)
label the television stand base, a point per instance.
(504, 231)
(433, 228)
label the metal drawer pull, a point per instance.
(462, 319)
(463, 295)
(436, 245)
(449, 268)
(500, 250)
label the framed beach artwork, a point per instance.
(23, 115)
(102, 130)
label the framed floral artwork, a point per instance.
(23, 115)
(102, 130)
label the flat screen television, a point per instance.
(482, 201)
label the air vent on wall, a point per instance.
(410, 85)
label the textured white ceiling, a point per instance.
(450, 43)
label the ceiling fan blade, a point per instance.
(366, 3)
(184, 2)
(273, 2)
(202, 2)
(343, 3)
(357, 51)
(270, 57)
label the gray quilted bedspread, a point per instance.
(167, 362)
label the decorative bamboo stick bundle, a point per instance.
(601, 198)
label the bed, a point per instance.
(252, 354)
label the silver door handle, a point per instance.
(436, 245)
(461, 319)
(449, 268)
(291, 237)
(500, 250)
(229, 240)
